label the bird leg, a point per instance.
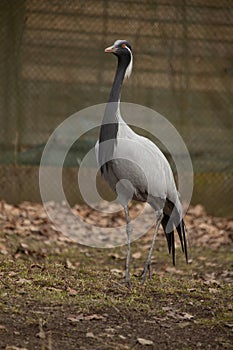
(128, 232)
(147, 266)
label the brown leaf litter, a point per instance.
(30, 219)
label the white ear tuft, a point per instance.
(130, 66)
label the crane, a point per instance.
(135, 168)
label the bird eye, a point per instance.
(123, 46)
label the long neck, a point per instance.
(118, 80)
(109, 126)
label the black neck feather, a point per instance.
(109, 126)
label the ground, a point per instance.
(56, 294)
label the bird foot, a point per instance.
(128, 284)
(144, 272)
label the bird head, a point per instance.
(122, 49)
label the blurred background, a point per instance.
(53, 64)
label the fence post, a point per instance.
(12, 19)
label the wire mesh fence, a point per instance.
(53, 64)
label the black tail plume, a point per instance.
(181, 230)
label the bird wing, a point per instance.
(158, 164)
(150, 158)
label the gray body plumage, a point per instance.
(138, 160)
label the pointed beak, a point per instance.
(110, 49)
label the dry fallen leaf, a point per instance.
(185, 316)
(229, 325)
(23, 281)
(69, 265)
(81, 317)
(180, 315)
(114, 256)
(209, 280)
(74, 318)
(143, 341)
(2, 327)
(176, 314)
(94, 317)
(202, 258)
(117, 272)
(122, 336)
(172, 269)
(137, 255)
(72, 292)
(90, 335)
